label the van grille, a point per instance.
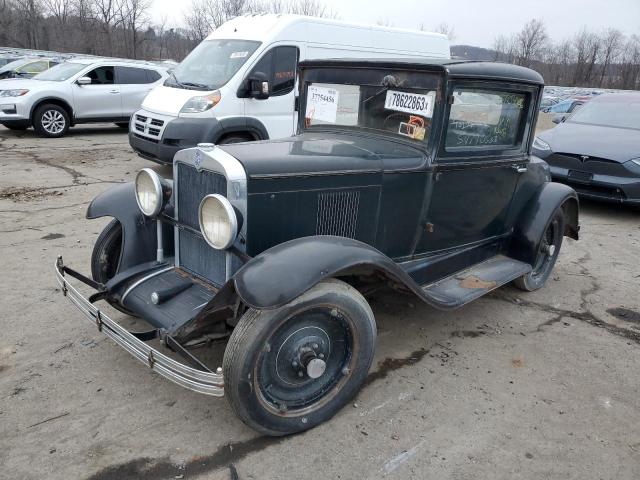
(148, 127)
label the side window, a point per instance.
(153, 76)
(132, 75)
(485, 120)
(101, 76)
(279, 65)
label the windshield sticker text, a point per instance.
(322, 104)
(238, 54)
(414, 103)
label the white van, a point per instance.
(240, 83)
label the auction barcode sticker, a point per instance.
(415, 103)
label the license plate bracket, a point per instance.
(578, 176)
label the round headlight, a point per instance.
(149, 192)
(218, 221)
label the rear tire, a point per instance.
(289, 369)
(51, 121)
(105, 258)
(548, 251)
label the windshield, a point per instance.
(61, 72)
(392, 106)
(211, 64)
(622, 112)
(13, 65)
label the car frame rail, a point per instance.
(205, 382)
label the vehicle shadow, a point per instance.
(84, 130)
(609, 210)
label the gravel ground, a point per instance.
(513, 386)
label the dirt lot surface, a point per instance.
(514, 386)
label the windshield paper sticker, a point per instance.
(322, 104)
(238, 54)
(414, 103)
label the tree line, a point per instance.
(123, 28)
(606, 59)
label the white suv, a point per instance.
(82, 90)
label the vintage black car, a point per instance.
(412, 174)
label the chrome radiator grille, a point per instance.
(194, 253)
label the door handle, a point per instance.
(519, 168)
(114, 91)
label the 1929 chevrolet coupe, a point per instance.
(416, 175)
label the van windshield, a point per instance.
(211, 64)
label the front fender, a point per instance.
(535, 216)
(282, 273)
(139, 238)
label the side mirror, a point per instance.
(84, 81)
(258, 86)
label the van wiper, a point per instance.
(196, 85)
(175, 79)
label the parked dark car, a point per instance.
(597, 149)
(413, 174)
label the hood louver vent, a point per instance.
(338, 213)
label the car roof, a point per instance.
(113, 61)
(451, 67)
(617, 97)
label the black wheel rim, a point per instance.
(548, 249)
(296, 351)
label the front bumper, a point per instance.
(13, 109)
(206, 382)
(609, 188)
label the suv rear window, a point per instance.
(134, 75)
(485, 118)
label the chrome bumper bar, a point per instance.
(199, 381)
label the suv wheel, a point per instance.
(233, 139)
(51, 121)
(291, 368)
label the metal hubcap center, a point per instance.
(316, 367)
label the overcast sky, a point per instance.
(476, 22)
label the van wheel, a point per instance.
(234, 139)
(51, 121)
(105, 258)
(548, 251)
(289, 369)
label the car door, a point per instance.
(277, 113)
(101, 98)
(134, 84)
(483, 151)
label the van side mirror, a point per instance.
(84, 81)
(258, 86)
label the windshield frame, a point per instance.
(178, 80)
(593, 105)
(371, 77)
(56, 67)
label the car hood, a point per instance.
(617, 144)
(169, 100)
(323, 153)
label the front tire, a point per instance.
(289, 369)
(51, 121)
(548, 251)
(105, 257)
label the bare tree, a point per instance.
(531, 42)
(445, 29)
(612, 43)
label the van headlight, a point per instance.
(218, 221)
(151, 192)
(201, 104)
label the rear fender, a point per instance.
(535, 216)
(139, 238)
(282, 273)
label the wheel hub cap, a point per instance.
(316, 367)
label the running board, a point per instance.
(467, 285)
